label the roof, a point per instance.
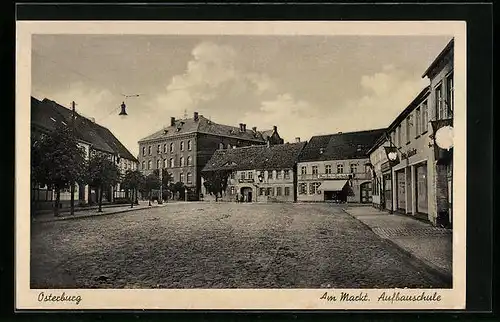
(439, 57)
(340, 146)
(258, 157)
(47, 114)
(204, 125)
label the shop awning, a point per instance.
(333, 185)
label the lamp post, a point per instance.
(160, 198)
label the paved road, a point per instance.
(223, 245)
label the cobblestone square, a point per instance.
(221, 245)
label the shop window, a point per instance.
(421, 188)
(287, 191)
(270, 192)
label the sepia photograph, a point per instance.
(314, 157)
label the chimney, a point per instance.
(244, 127)
(254, 129)
(297, 139)
(172, 121)
(241, 127)
(195, 116)
(275, 128)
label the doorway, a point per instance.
(247, 194)
(366, 192)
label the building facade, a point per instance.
(335, 168)
(265, 173)
(46, 116)
(184, 147)
(418, 180)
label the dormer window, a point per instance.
(322, 150)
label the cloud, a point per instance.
(383, 95)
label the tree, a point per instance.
(180, 188)
(216, 182)
(166, 180)
(57, 162)
(132, 180)
(151, 182)
(102, 172)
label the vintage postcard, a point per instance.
(240, 165)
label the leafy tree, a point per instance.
(57, 162)
(179, 188)
(166, 180)
(132, 180)
(216, 182)
(151, 183)
(102, 172)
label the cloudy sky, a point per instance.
(306, 85)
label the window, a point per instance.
(181, 177)
(408, 128)
(149, 149)
(190, 178)
(165, 148)
(181, 161)
(278, 191)
(328, 169)
(149, 165)
(302, 188)
(354, 168)
(287, 191)
(221, 146)
(158, 150)
(165, 163)
(425, 117)
(286, 174)
(303, 170)
(182, 146)
(143, 165)
(270, 175)
(143, 150)
(399, 136)
(232, 175)
(250, 175)
(242, 175)
(262, 191)
(270, 191)
(315, 169)
(440, 109)
(190, 147)
(261, 174)
(418, 119)
(172, 163)
(157, 164)
(313, 188)
(449, 94)
(171, 147)
(189, 161)
(367, 169)
(232, 190)
(340, 168)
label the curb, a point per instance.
(433, 269)
(93, 215)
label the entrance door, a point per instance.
(388, 191)
(249, 198)
(366, 192)
(401, 186)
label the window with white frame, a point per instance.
(189, 177)
(190, 147)
(243, 175)
(328, 169)
(314, 188)
(149, 165)
(439, 106)
(270, 175)
(315, 170)
(182, 146)
(189, 161)
(181, 177)
(303, 170)
(340, 168)
(250, 175)
(278, 175)
(354, 168)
